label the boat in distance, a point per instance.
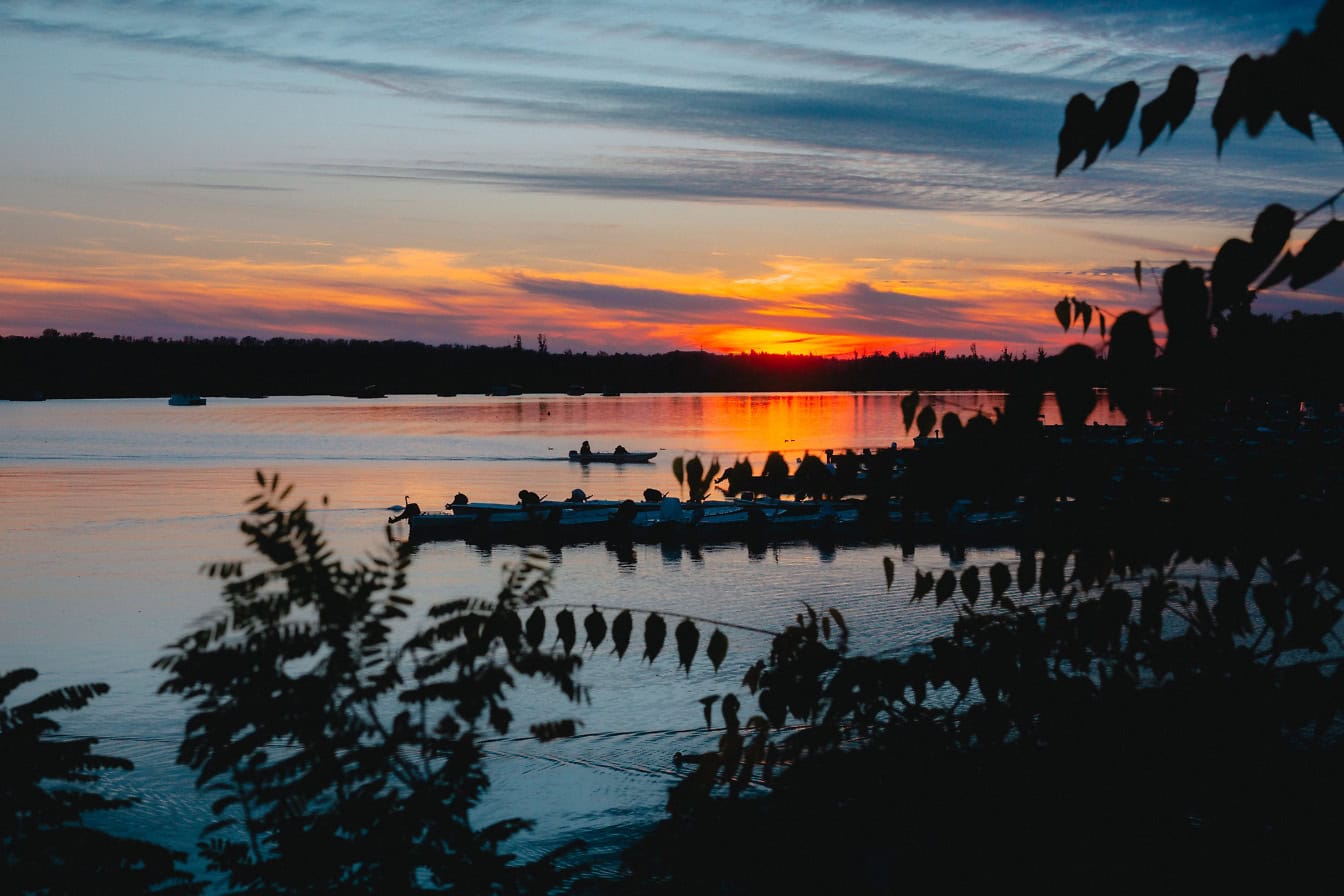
(613, 457)
(185, 400)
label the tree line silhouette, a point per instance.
(1287, 354)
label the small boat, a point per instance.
(613, 457)
(575, 389)
(183, 399)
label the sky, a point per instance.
(809, 177)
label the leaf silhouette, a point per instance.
(708, 704)
(621, 627)
(1076, 134)
(688, 639)
(999, 579)
(717, 649)
(888, 570)
(947, 584)
(1322, 254)
(923, 585)
(926, 420)
(970, 583)
(1086, 310)
(655, 633)
(678, 469)
(1181, 89)
(1272, 228)
(595, 625)
(1117, 108)
(1153, 120)
(1138, 273)
(1231, 105)
(1101, 324)
(536, 628)
(566, 632)
(909, 404)
(1026, 573)
(1233, 269)
(841, 625)
(1062, 312)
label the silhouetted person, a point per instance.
(584, 450)
(577, 497)
(459, 498)
(526, 497)
(652, 495)
(411, 510)
(620, 449)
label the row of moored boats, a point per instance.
(646, 521)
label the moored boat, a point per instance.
(184, 399)
(613, 457)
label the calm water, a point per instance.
(111, 507)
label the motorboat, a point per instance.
(613, 457)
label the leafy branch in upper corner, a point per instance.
(47, 785)
(343, 758)
(1302, 79)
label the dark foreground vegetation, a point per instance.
(1147, 699)
(1284, 355)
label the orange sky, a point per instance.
(817, 180)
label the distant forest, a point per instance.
(1297, 354)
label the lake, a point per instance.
(112, 507)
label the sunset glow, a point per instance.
(617, 177)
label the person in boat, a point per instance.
(526, 497)
(653, 496)
(577, 497)
(619, 449)
(459, 499)
(411, 509)
(584, 450)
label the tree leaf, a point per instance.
(595, 626)
(1273, 227)
(1231, 105)
(1076, 133)
(1086, 310)
(1181, 89)
(678, 468)
(999, 579)
(717, 649)
(535, 629)
(923, 585)
(655, 633)
(1062, 313)
(688, 639)
(926, 420)
(1138, 273)
(888, 570)
(621, 627)
(1321, 255)
(1153, 120)
(566, 632)
(708, 704)
(1117, 108)
(1026, 573)
(909, 404)
(1233, 269)
(970, 583)
(947, 584)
